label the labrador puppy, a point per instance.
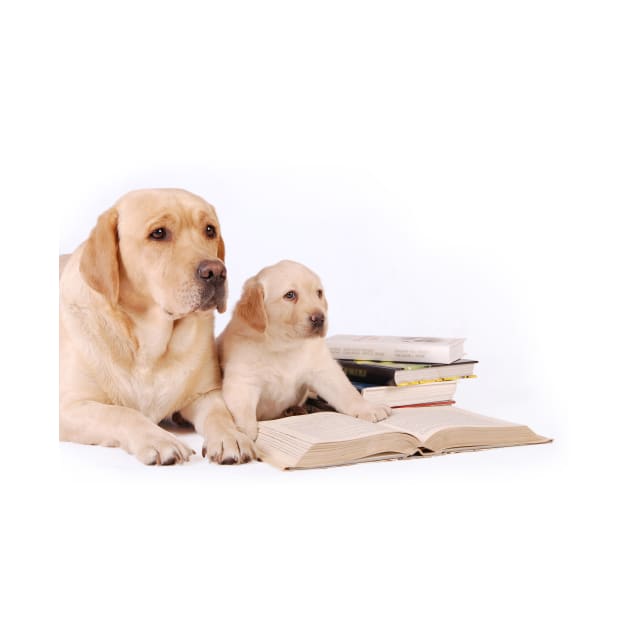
(137, 344)
(273, 350)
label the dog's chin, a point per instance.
(207, 306)
(202, 304)
(217, 300)
(203, 307)
(310, 333)
(205, 311)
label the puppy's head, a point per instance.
(286, 301)
(158, 247)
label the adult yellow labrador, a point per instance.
(137, 344)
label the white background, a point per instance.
(448, 169)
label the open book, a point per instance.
(331, 439)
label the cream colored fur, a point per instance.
(136, 331)
(273, 351)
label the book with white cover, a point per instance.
(399, 396)
(392, 348)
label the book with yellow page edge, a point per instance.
(400, 373)
(332, 439)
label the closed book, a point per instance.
(395, 396)
(391, 348)
(397, 373)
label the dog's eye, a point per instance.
(291, 296)
(320, 293)
(159, 235)
(211, 231)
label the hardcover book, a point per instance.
(332, 439)
(400, 396)
(390, 348)
(397, 373)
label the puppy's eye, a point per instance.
(211, 231)
(291, 296)
(159, 235)
(320, 293)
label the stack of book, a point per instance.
(403, 371)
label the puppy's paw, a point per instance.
(231, 447)
(249, 427)
(296, 410)
(160, 449)
(372, 412)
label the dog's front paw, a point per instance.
(159, 447)
(372, 412)
(247, 426)
(230, 447)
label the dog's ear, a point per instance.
(99, 260)
(251, 306)
(221, 250)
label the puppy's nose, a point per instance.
(212, 271)
(317, 320)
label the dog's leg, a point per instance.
(330, 382)
(223, 442)
(242, 401)
(90, 422)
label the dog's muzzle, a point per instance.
(212, 275)
(318, 323)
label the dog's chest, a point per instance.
(284, 386)
(166, 375)
(156, 391)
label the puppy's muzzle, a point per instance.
(212, 275)
(318, 321)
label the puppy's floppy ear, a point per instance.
(99, 260)
(251, 306)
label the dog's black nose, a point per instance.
(317, 320)
(212, 271)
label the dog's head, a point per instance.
(158, 247)
(286, 301)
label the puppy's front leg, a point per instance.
(242, 400)
(331, 383)
(223, 442)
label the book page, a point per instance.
(423, 422)
(328, 438)
(315, 428)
